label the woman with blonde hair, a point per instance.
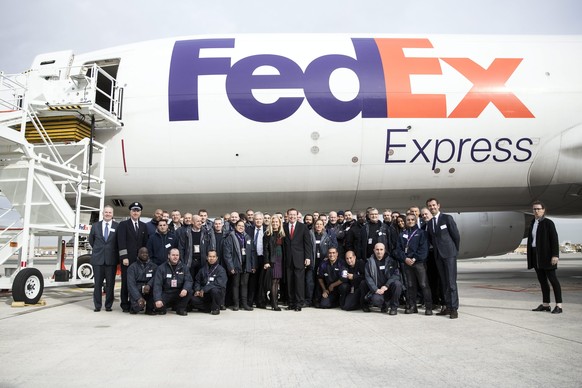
(273, 253)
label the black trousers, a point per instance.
(107, 273)
(296, 286)
(545, 275)
(124, 293)
(448, 272)
(332, 299)
(211, 300)
(350, 299)
(434, 280)
(173, 299)
(257, 293)
(391, 296)
(149, 307)
(240, 289)
(416, 277)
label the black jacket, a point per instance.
(547, 245)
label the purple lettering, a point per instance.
(185, 68)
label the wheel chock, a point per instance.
(41, 302)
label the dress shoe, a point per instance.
(162, 312)
(235, 308)
(96, 310)
(384, 309)
(557, 310)
(393, 311)
(413, 310)
(276, 308)
(150, 313)
(108, 309)
(125, 310)
(444, 311)
(247, 308)
(541, 307)
(181, 312)
(428, 312)
(454, 314)
(298, 308)
(290, 307)
(133, 312)
(215, 312)
(222, 307)
(366, 309)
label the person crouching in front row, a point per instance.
(210, 285)
(172, 285)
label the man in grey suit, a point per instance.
(445, 239)
(104, 258)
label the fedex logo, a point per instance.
(381, 66)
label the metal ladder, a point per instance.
(54, 186)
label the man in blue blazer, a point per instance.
(445, 239)
(104, 258)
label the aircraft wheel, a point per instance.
(28, 286)
(84, 270)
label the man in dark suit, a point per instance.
(298, 252)
(132, 234)
(445, 239)
(104, 258)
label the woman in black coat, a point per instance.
(543, 251)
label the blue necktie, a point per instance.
(106, 235)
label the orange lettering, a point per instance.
(400, 100)
(488, 87)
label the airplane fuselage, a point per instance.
(347, 121)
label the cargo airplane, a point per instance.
(486, 124)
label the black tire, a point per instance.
(28, 286)
(84, 271)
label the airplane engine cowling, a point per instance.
(489, 233)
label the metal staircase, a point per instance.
(53, 178)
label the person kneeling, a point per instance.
(210, 285)
(330, 279)
(140, 282)
(172, 285)
(383, 281)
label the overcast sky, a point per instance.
(32, 27)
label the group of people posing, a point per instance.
(251, 259)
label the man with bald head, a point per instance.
(383, 280)
(194, 244)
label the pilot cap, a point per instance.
(135, 205)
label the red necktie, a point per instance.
(292, 230)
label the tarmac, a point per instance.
(497, 341)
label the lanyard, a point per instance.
(409, 238)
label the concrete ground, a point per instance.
(497, 341)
